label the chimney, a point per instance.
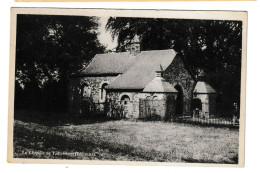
(135, 46)
(158, 73)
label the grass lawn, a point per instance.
(126, 141)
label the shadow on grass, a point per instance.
(56, 118)
(27, 142)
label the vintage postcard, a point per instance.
(133, 87)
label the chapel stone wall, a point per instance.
(178, 74)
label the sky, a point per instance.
(105, 36)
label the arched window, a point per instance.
(86, 90)
(103, 91)
(148, 97)
(155, 98)
(125, 99)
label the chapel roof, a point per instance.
(110, 63)
(143, 70)
(203, 88)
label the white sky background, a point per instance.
(104, 36)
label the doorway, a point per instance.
(179, 101)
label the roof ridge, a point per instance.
(112, 53)
(138, 54)
(157, 50)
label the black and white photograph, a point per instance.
(131, 86)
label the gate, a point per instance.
(152, 109)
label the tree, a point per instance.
(210, 45)
(48, 50)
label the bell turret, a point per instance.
(135, 46)
(201, 76)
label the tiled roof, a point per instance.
(144, 69)
(159, 84)
(203, 88)
(112, 63)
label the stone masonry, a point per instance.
(178, 74)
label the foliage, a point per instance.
(210, 45)
(48, 50)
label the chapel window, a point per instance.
(148, 97)
(125, 99)
(155, 98)
(103, 91)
